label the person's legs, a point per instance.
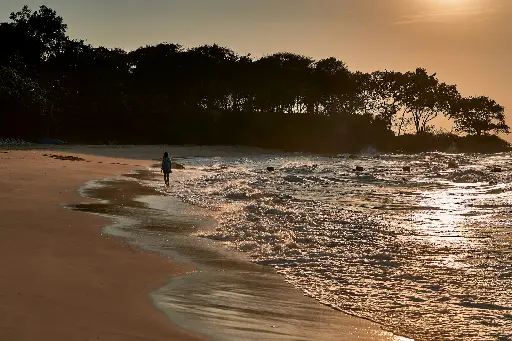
(166, 178)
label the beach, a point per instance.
(64, 278)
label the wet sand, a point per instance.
(60, 278)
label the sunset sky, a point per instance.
(467, 42)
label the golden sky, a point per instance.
(466, 42)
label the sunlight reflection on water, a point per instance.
(425, 252)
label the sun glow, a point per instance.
(454, 3)
(428, 11)
(457, 5)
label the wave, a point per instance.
(383, 244)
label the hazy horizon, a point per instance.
(463, 41)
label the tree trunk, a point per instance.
(401, 124)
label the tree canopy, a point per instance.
(479, 115)
(209, 94)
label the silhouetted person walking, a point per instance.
(166, 168)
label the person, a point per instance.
(166, 168)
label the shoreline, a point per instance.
(62, 279)
(244, 303)
(151, 318)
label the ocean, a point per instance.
(425, 252)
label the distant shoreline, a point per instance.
(403, 144)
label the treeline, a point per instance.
(54, 86)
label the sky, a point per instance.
(465, 42)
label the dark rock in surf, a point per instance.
(496, 170)
(406, 168)
(359, 169)
(177, 166)
(453, 164)
(270, 169)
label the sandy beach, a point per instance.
(61, 279)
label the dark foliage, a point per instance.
(52, 86)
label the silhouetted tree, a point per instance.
(479, 115)
(387, 89)
(424, 97)
(331, 88)
(31, 38)
(23, 106)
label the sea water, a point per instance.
(426, 252)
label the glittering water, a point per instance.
(427, 253)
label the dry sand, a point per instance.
(60, 278)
